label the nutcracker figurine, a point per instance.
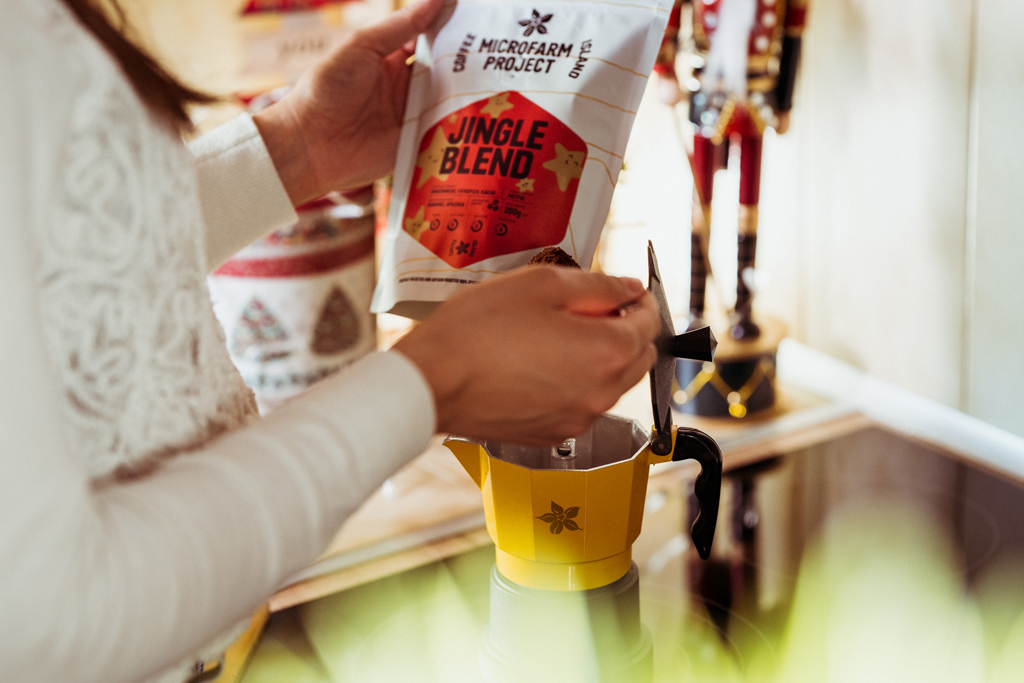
(745, 55)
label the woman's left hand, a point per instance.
(338, 128)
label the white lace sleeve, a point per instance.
(119, 581)
(241, 194)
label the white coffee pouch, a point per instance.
(516, 123)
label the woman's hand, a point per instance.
(535, 356)
(338, 128)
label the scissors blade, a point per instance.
(663, 371)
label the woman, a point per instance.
(144, 509)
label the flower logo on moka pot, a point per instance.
(559, 518)
(536, 23)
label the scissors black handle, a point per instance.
(691, 444)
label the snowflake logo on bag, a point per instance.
(536, 23)
(559, 518)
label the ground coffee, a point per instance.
(555, 256)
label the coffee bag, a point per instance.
(516, 121)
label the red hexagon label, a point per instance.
(496, 177)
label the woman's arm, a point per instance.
(240, 192)
(115, 583)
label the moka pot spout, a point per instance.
(472, 456)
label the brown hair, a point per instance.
(167, 97)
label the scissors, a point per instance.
(684, 443)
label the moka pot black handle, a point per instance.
(693, 444)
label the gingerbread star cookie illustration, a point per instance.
(416, 225)
(566, 165)
(429, 160)
(525, 185)
(497, 105)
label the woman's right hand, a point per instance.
(534, 356)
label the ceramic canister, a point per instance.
(295, 305)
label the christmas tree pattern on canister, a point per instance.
(258, 335)
(337, 328)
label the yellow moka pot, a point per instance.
(565, 518)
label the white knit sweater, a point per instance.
(117, 559)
